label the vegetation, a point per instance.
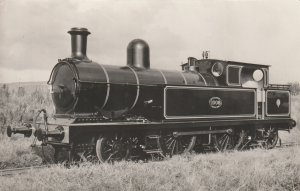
(16, 152)
(259, 169)
(295, 88)
(20, 101)
(18, 104)
(277, 169)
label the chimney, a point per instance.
(78, 42)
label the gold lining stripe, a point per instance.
(185, 82)
(165, 79)
(203, 79)
(137, 86)
(108, 86)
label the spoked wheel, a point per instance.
(271, 137)
(229, 141)
(177, 145)
(112, 148)
(242, 140)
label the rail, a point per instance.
(289, 144)
(15, 171)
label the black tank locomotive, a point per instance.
(123, 112)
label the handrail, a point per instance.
(280, 86)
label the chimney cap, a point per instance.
(78, 30)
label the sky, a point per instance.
(33, 33)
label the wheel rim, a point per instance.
(109, 149)
(177, 145)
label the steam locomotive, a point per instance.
(124, 112)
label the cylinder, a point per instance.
(138, 54)
(79, 43)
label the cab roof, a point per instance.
(231, 62)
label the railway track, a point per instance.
(289, 144)
(15, 171)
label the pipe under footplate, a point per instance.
(26, 130)
(177, 134)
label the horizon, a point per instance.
(259, 32)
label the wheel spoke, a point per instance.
(173, 148)
(177, 145)
(171, 144)
(225, 145)
(108, 150)
(223, 140)
(171, 139)
(112, 154)
(109, 143)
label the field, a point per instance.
(259, 169)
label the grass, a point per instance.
(277, 169)
(259, 169)
(16, 153)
